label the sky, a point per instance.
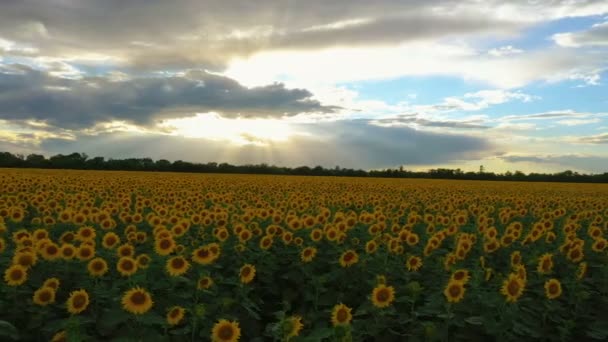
(510, 85)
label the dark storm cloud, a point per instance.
(356, 144)
(75, 103)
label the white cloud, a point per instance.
(577, 122)
(504, 51)
(597, 35)
(336, 65)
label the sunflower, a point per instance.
(67, 251)
(164, 246)
(413, 263)
(545, 264)
(512, 288)
(308, 254)
(175, 315)
(371, 247)
(225, 331)
(52, 283)
(203, 256)
(340, 315)
(491, 245)
(25, 259)
(292, 327)
(204, 283)
(60, 337)
(97, 267)
(575, 254)
(581, 271)
(44, 296)
(247, 273)
(110, 240)
(461, 275)
(521, 272)
(50, 251)
(143, 261)
(553, 288)
(266, 242)
(126, 266)
(349, 258)
(15, 275)
(487, 274)
(2, 245)
(85, 252)
(454, 291)
(137, 301)
(177, 266)
(599, 245)
(383, 296)
(125, 250)
(78, 301)
(515, 258)
(316, 235)
(85, 234)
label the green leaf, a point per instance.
(110, 320)
(8, 330)
(475, 320)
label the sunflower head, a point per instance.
(349, 258)
(175, 315)
(44, 296)
(78, 301)
(247, 273)
(177, 266)
(553, 288)
(512, 288)
(292, 327)
(204, 283)
(383, 296)
(126, 266)
(15, 275)
(461, 275)
(225, 331)
(97, 267)
(454, 291)
(137, 301)
(340, 315)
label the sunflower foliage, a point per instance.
(96, 256)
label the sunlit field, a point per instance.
(128, 256)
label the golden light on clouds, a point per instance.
(239, 131)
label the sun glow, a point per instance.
(238, 131)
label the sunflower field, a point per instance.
(127, 256)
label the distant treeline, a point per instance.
(80, 161)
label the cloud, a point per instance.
(577, 122)
(597, 35)
(481, 100)
(76, 103)
(413, 120)
(154, 34)
(568, 114)
(593, 139)
(423, 59)
(590, 163)
(356, 144)
(504, 51)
